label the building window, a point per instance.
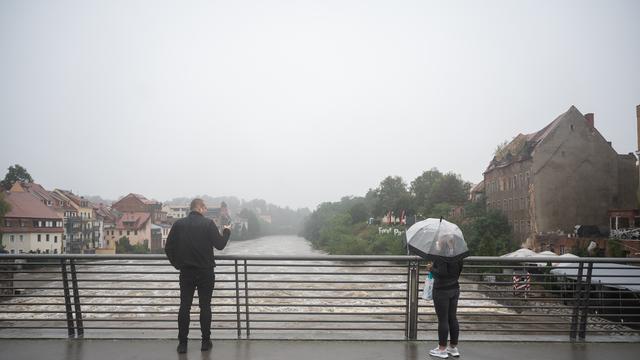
(120, 232)
(7, 223)
(55, 251)
(39, 238)
(12, 238)
(135, 232)
(13, 251)
(55, 239)
(21, 238)
(128, 232)
(47, 237)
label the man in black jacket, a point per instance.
(189, 248)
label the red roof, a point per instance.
(144, 199)
(132, 220)
(27, 205)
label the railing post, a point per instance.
(576, 305)
(412, 318)
(246, 300)
(76, 299)
(67, 299)
(407, 297)
(238, 323)
(582, 333)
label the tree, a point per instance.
(15, 173)
(433, 187)
(391, 195)
(500, 148)
(488, 235)
(5, 207)
(123, 246)
(422, 190)
(450, 189)
(359, 213)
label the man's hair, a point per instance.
(196, 203)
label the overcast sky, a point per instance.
(298, 102)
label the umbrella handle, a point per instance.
(440, 218)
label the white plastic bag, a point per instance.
(427, 292)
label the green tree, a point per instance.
(123, 246)
(440, 210)
(5, 207)
(391, 195)
(500, 148)
(488, 235)
(359, 213)
(15, 173)
(422, 190)
(450, 189)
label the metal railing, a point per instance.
(340, 296)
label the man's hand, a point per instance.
(227, 227)
(429, 266)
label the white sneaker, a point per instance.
(439, 353)
(453, 351)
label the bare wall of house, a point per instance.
(575, 176)
(627, 182)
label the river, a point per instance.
(284, 245)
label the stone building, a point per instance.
(138, 203)
(30, 226)
(58, 203)
(564, 175)
(84, 228)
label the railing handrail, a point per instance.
(510, 260)
(258, 299)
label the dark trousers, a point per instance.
(190, 280)
(446, 304)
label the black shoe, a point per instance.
(206, 345)
(182, 347)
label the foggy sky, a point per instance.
(298, 102)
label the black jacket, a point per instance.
(191, 241)
(446, 274)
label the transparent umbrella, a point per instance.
(437, 238)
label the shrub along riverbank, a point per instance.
(342, 227)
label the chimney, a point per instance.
(589, 118)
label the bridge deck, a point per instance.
(309, 350)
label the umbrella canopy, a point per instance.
(437, 238)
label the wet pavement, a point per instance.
(308, 350)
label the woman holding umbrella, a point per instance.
(442, 242)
